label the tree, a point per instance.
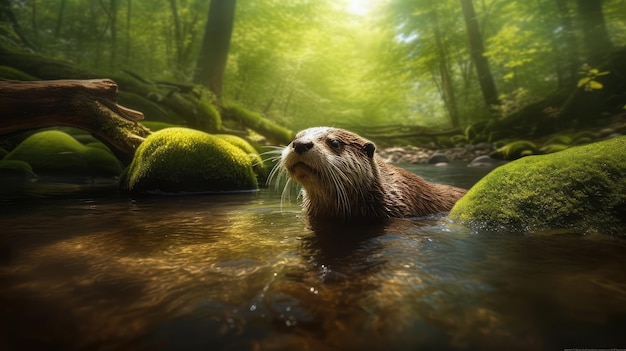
(215, 45)
(447, 86)
(595, 36)
(566, 74)
(477, 50)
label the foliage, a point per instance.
(258, 123)
(589, 80)
(302, 63)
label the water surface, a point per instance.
(83, 267)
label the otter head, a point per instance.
(336, 168)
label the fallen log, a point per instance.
(86, 104)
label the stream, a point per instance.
(83, 267)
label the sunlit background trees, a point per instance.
(346, 63)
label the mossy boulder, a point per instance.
(56, 153)
(255, 159)
(515, 150)
(181, 160)
(18, 170)
(581, 188)
(552, 148)
(156, 126)
(562, 139)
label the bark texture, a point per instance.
(86, 104)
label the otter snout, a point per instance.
(301, 145)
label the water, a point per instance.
(85, 268)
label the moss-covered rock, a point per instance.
(581, 188)
(515, 150)
(562, 139)
(54, 152)
(156, 126)
(552, 148)
(255, 159)
(176, 160)
(16, 170)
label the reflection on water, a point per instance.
(82, 267)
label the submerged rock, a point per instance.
(176, 160)
(438, 158)
(483, 161)
(580, 188)
(56, 153)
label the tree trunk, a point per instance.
(595, 35)
(178, 37)
(215, 45)
(128, 13)
(477, 50)
(7, 12)
(113, 14)
(567, 75)
(447, 85)
(86, 104)
(34, 24)
(59, 24)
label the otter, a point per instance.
(343, 177)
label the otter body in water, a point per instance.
(343, 177)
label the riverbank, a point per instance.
(420, 155)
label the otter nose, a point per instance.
(302, 146)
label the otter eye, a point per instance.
(335, 144)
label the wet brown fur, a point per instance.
(343, 177)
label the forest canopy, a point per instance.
(344, 63)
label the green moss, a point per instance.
(258, 123)
(581, 188)
(16, 170)
(177, 160)
(151, 110)
(156, 126)
(515, 150)
(99, 145)
(470, 133)
(81, 135)
(458, 139)
(208, 114)
(562, 139)
(444, 142)
(255, 159)
(584, 137)
(552, 148)
(57, 153)
(15, 74)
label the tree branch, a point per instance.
(86, 104)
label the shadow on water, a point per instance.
(84, 268)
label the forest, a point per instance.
(387, 66)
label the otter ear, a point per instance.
(369, 149)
